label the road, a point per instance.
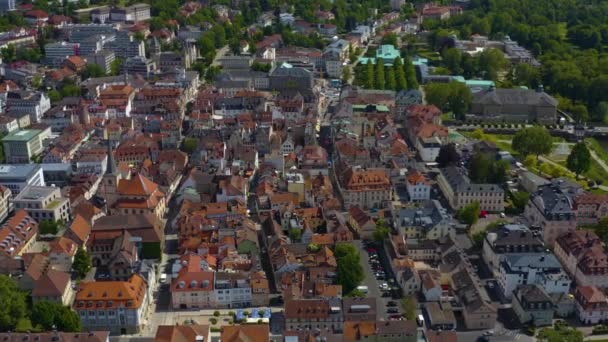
(371, 283)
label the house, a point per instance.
(32, 103)
(590, 208)
(514, 105)
(5, 196)
(91, 336)
(509, 239)
(361, 222)
(116, 306)
(53, 286)
(194, 285)
(431, 286)
(146, 228)
(20, 146)
(477, 311)
(313, 314)
(182, 333)
(429, 220)
(542, 269)
(79, 230)
(232, 290)
(387, 53)
(591, 305)
(441, 316)
(259, 289)
(418, 186)
(584, 258)
(359, 309)
(43, 203)
(61, 253)
(246, 332)
(17, 237)
(113, 255)
(366, 188)
(405, 99)
(389, 331)
(551, 209)
(532, 305)
(136, 195)
(460, 191)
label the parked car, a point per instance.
(391, 303)
(392, 310)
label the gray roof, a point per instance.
(429, 215)
(555, 200)
(17, 172)
(504, 96)
(514, 238)
(461, 183)
(284, 71)
(532, 294)
(532, 260)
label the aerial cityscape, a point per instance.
(303, 171)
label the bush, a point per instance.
(260, 321)
(246, 313)
(215, 329)
(216, 313)
(261, 313)
(213, 320)
(600, 330)
(230, 313)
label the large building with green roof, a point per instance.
(387, 53)
(21, 145)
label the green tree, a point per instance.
(369, 75)
(520, 200)
(82, 263)
(346, 74)
(408, 304)
(448, 155)
(391, 82)
(491, 63)
(532, 140)
(9, 53)
(600, 112)
(70, 90)
(92, 71)
(526, 75)
(189, 145)
(400, 74)
(350, 271)
(561, 332)
(483, 168)
(469, 214)
(380, 81)
(54, 96)
(51, 315)
(477, 241)
(389, 39)
(410, 74)
(295, 234)
(235, 46)
(115, 66)
(12, 304)
(579, 160)
(454, 96)
(48, 227)
(381, 231)
(452, 59)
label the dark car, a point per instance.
(386, 294)
(392, 310)
(391, 303)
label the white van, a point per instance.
(163, 278)
(420, 320)
(363, 289)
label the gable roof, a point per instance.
(181, 333)
(245, 333)
(52, 284)
(138, 185)
(80, 229)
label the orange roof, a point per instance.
(77, 61)
(63, 245)
(180, 333)
(354, 331)
(16, 232)
(191, 277)
(52, 284)
(245, 333)
(80, 228)
(138, 185)
(416, 177)
(130, 294)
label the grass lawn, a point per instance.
(595, 146)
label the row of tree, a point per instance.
(398, 76)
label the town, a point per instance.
(311, 171)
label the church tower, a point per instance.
(110, 180)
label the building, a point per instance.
(551, 211)
(418, 186)
(17, 177)
(532, 305)
(43, 203)
(113, 255)
(91, 336)
(514, 105)
(7, 6)
(359, 309)
(133, 13)
(17, 236)
(182, 333)
(232, 290)
(56, 52)
(116, 306)
(194, 286)
(5, 196)
(20, 146)
(441, 316)
(386, 331)
(103, 59)
(289, 78)
(460, 191)
(146, 230)
(584, 258)
(365, 188)
(387, 53)
(591, 305)
(246, 332)
(302, 314)
(53, 286)
(509, 239)
(477, 311)
(542, 269)
(32, 103)
(590, 208)
(430, 220)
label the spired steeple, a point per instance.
(111, 167)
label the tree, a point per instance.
(12, 304)
(382, 231)
(92, 71)
(346, 74)
(477, 241)
(295, 234)
(350, 271)
(54, 96)
(369, 75)
(380, 81)
(491, 62)
(451, 59)
(115, 66)
(51, 315)
(410, 74)
(399, 74)
(448, 155)
(189, 145)
(389, 39)
(408, 304)
(235, 46)
(520, 200)
(561, 332)
(483, 168)
(579, 112)
(9, 53)
(454, 96)
(469, 214)
(600, 112)
(391, 82)
(48, 227)
(526, 75)
(82, 263)
(532, 140)
(579, 160)
(70, 90)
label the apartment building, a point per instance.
(460, 191)
(116, 306)
(194, 285)
(532, 304)
(5, 196)
(430, 220)
(43, 203)
(591, 305)
(232, 290)
(584, 258)
(509, 239)
(20, 146)
(590, 208)
(302, 314)
(17, 236)
(18, 176)
(365, 188)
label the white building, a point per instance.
(17, 176)
(43, 203)
(428, 148)
(418, 187)
(232, 290)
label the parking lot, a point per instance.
(377, 283)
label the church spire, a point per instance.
(111, 168)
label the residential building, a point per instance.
(103, 59)
(387, 331)
(116, 306)
(418, 186)
(20, 146)
(115, 256)
(54, 286)
(430, 220)
(7, 6)
(509, 239)
(551, 210)
(477, 310)
(232, 290)
(542, 269)
(584, 258)
(43, 203)
(17, 176)
(17, 237)
(91, 336)
(246, 332)
(590, 208)
(361, 222)
(366, 189)
(182, 333)
(441, 316)
(460, 191)
(289, 78)
(133, 13)
(194, 286)
(8, 124)
(430, 281)
(146, 230)
(532, 305)
(302, 314)
(56, 52)
(359, 309)
(5, 196)
(591, 305)
(514, 105)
